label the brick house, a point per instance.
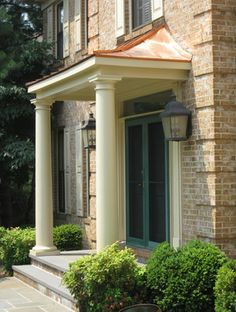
(124, 60)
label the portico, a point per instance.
(109, 78)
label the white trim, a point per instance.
(120, 17)
(66, 34)
(175, 193)
(77, 19)
(157, 9)
(129, 68)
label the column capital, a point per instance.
(42, 103)
(104, 81)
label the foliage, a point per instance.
(183, 280)
(67, 237)
(15, 245)
(23, 58)
(106, 281)
(225, 288)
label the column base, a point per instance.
(44, 251)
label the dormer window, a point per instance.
(141, 12)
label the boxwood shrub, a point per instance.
(67, 237)
(107, 281)
(15, 244)
(225, 288)
(184, 280)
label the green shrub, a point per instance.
(184, 280)
(225, 288)
(107, 281)
(67, 237)
(15, 245)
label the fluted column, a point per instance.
(43, 180)
(106, 167)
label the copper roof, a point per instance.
(157, 44)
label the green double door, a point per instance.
(146, 182)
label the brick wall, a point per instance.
(69, 115)
(224, 58)
(207, 29)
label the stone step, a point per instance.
(45, 282)
(58, 264)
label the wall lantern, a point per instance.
(176, 121)
(89, 132)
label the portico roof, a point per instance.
(147, 59)
(155, 45)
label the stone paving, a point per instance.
(15, 296)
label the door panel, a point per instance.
(156, 164)
(146, 182)
(135, 180)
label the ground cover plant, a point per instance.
(183, 280)
(225, 289)
(107, 281)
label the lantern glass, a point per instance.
(176, 121)
(89, 132)
(175, 127)
(85, 138)
(91, 137)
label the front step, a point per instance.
(45, 274)
(59, 264)
(45, 282)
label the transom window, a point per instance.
(141, 12)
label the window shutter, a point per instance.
(120, 18)
(146, 10)
(78, 24)
(79, 172)
(157, 9)
(66, 28)
(50, 24)
(67, 170)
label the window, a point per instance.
(134, 13)
(141, 12)
(60, 20)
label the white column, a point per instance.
(43, 180)
(106, 173)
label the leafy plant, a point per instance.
(15, 245)
(67, 237)
(23, 58)
(184, 280)
(225, 288)
(107, 281)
